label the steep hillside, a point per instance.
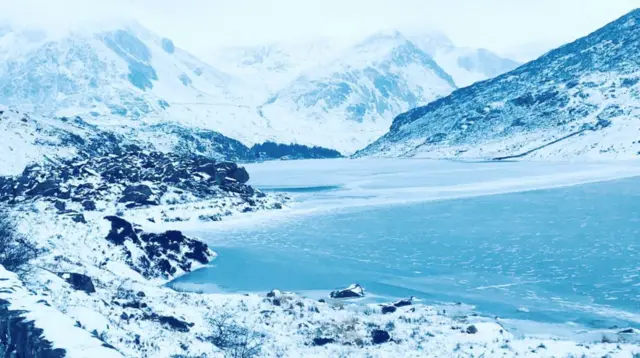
(582, 99)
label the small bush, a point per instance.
(236, 341)
(15, 250)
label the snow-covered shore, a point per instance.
(131, 309)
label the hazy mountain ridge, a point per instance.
(321, 94)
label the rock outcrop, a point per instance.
(31, 328)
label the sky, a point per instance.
(503, 26)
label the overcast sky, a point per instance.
(199, 25)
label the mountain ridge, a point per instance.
(588, 87)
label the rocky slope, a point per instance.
(580, 100)
(31, 139)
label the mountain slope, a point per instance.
(465, 65)
(318, 94)
(125, 70)
(357, 95)
(270, 67)
(582, 99)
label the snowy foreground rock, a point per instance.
(99, 287)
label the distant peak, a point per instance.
(385, 35)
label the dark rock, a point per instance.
(319, 341)
(45, 188)
(138, 194)
(89, 205)
(403, 303)
(353, 291)
(78, 281)
(121, 231)
(240, 175)
(379, 336)
(78, 218)
(472, 329)
(169, 321)
(627, 331)
(141, 294)
(388, 309)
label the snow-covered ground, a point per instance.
(141, 317)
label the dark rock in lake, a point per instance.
(78, 281)
(353, 291)
(403, 303)
(379, 336)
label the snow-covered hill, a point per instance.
(356, 96)
(582, 99)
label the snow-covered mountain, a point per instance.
(270, 67)
(125, 70)
(582, 99)
(321, 93)
(356, 96)
(465, 65)
(352, 91)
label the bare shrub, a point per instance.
(235, 340)
(15, 250)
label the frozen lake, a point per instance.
(517, 240)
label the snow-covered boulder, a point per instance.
(353, 291)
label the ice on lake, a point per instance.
(519, 240)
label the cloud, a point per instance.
(200, 25)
